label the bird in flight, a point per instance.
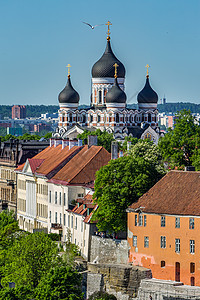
(93, 27)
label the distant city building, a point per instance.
(19, 112)
(17, 131)
(39, 127)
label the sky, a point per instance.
(38, 38)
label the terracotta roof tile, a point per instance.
(35, 163)
(177, 193)
(81, 169)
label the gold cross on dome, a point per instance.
(116, 66)
(68, 66)
(108, 32)
(147, 66)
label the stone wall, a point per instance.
(104, 250)
(122, 280)
(156, 289)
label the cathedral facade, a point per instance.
(108, 110)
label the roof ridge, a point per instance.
(87, 161)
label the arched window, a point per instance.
(149, 118)
(100, 95)
(76, 118)
(135, 119)
(70, 118)
(84, 118)
(142, 117)
(91, 118)
(117, 118)
(110, 118)
(63, 118)
(98, 118)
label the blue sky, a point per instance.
(39, 38)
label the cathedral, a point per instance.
(108, 110)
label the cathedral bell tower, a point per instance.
(103, 75)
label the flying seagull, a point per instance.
(93, 27)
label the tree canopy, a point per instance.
(122, 182)
(103, 138)
(180, 147)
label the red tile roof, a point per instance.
(35, 163)
(177, 193)
(82, 167)
(80, 210)
(52, 158)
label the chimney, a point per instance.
(92, 140)
(114, 150)
(51, 142)
(65, 143)
(72, 143)
(189, 168)
(128, 145)
(80, 142)
(57, 142)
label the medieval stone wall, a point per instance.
(104, 250)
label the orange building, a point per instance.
(164, 228)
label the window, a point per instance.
(64, 220)
(191, 223)
(177, 222)
(68, 220)
(192, 267)
(140, 220)
(145, 221)
(134, 241)
(192, 281)
(117, 118)
(135, 220)
(50, 216)
(81, 226)
(146, 242)
(162, 263)
(56, 217)
(98, 118)
(177, 245)
(163, 242)
(76, 223)
(71, 221)
(60, 218)
(162, 221)
(56, 197)
(192, 246)
(64, 199)
(60, 198)
(49, 196)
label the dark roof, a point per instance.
(104, 66)
(147, 94)
(136, 131)
(115, 94)
(177, 193)
(68, 94)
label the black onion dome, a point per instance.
(115, 94)
(68, 94)
(147, 95)
(104, 66)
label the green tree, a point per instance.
(180, 147)
(19, 293)
(29, 258)
(8, 226)
(61, 282)
(103, 138)
(122, 182)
